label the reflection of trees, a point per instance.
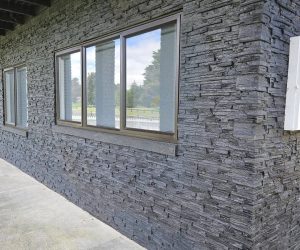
(146, 95)
(134, 95)
(117, 94)
(150, 94)
(76, 90)
(91, 89)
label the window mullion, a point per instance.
(178, 21)
(123, 84)
(83, 88)
(4, 98)
(15, 96)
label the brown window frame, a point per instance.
(57, 55)
(14, 69)
(122, 35)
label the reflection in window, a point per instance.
(103, 84)
(150, 79)
(9, 97)
(21, 77)
(16, 104)
(70, 87)
(129, 82)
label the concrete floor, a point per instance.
(34, 217)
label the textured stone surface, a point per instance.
(277, 206)
(233, 184)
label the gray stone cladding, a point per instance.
(277, 205)
(234, 181)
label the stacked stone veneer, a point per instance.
(235, 181)
(277, 154)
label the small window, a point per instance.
(129, 82)
(15, 97)
(69, 76)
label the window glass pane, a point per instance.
(150, 79)
(9, 97)
(21, 97)
(69, 76)
(103, 84)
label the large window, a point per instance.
(126, 83)
(15, 97)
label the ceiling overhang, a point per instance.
(14, 12)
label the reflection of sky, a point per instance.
(76, 66)
(139, 51)
(91, 60)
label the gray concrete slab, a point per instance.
(34, 217)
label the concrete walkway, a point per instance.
(34, 217)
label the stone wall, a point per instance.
(209, 195)
(277, 207)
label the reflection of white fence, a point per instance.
(142, 123)
(139, 123)
(143, 112)
(136, 118)
(91, 115)
(138, 113)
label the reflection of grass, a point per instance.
(141, 112)
(76, 105)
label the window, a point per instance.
(15, 97)
(69, 75)
(150, 79)
(129, 82)
(103, 84)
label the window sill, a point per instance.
(15, 130)
(165, 148)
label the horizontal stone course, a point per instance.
(227, 186)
